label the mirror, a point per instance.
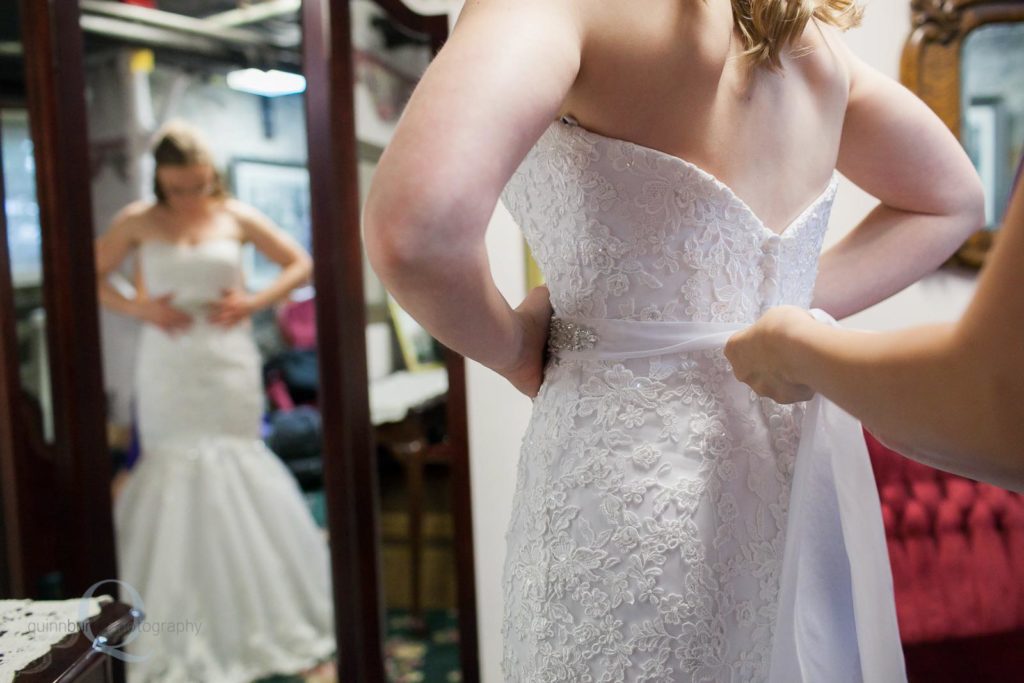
(964, 59)
(24, 244)
(423, 549)
(27, 428)
(992, 106)
(201, 196)
(24, 238)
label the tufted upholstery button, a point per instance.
(962, 492)
(957, 550)
(995, 586)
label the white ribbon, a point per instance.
(836, 618)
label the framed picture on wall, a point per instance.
(24, 236)
(986, 141)
(281, 192)
(419, 350)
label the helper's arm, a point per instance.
(950, 395)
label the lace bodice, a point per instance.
(652, 493)
(626, 231)
(196, 274)
(201, 381)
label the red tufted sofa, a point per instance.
(957, 552)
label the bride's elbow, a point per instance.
(968, 208)
(388, 240)
(412, 239)
(382, 224)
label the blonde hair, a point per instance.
(769, 26)
(179, 144)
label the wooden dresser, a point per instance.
(79, 658)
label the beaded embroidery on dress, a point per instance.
(650, 505)
(212, 529)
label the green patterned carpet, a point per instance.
(430, 656)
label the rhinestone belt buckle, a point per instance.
(565, 335)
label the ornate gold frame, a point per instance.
(930, 67)
(405, 328)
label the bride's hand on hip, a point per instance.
(158, 311)
(234, 306)
(526, 372)
(758, 359)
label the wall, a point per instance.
(498, 414)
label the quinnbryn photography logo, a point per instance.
(139, 623)
(100, 642)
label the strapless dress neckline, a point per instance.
(569, 122)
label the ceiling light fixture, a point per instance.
(271, 83)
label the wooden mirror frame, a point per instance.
(931, 66)
(57, 507)
(352, 511)
(76, 493)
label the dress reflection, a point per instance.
(212, 529)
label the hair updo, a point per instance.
(768, 26)
(179, 144)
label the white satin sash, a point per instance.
(836, 619)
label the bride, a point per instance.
(672, 165)
(212, 529)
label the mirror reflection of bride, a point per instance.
(212, 530)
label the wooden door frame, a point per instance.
(435, 27)
(349, 468)
(350, 480)
(55, 81)
(55, 87)
(12, 495)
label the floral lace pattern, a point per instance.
(651, 496)
(30, 628)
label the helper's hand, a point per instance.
(234, 306)
(756, 354)
(526, 373)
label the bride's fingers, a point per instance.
(537, 308)
(538, 300)
(544, 294)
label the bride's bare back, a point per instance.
(665, 74)
(671, 76)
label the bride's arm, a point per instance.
(278, 246)
(950, 396)
(111, 248)
(930, 198)
(494, 87)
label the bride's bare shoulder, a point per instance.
(822, 55)
(137, 217)
(593, 18)
(512, 8)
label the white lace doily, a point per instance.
(393, 395)
(29, 628)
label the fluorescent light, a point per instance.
(267, 83)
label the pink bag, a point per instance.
(297, 321)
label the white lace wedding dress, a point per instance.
(212, 529)
(668, 524)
